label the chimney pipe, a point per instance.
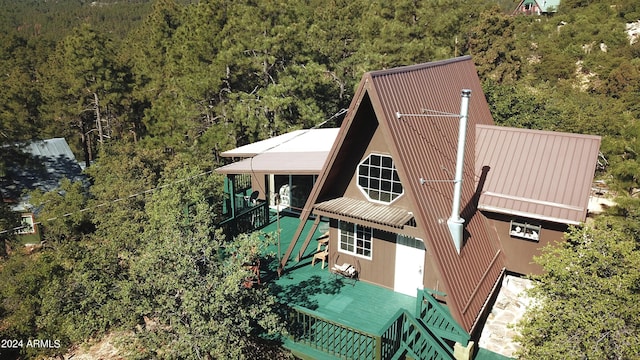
(455, 222)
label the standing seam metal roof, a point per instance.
(538, 174)
(42, 165)
(424, 151)
(425, 147)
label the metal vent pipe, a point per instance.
(455, 222)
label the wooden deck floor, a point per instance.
(362, 306)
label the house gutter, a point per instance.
(455, 222)
(480, 320)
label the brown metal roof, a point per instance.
(424, 151)
(538, 174)
(365, 210)
(425, 148)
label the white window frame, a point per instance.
(27, 225)
(525, 230)
(393, 180)
(350, 234)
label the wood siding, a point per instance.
(519, 252)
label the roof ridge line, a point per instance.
(539, 131)
(415, 67)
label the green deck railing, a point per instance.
(437, 319)
(330, 337)
(407, 336)
(429, 335)
(250, 219)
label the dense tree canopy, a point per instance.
(586, 299)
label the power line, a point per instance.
(253, 173)
(340, 112)
(111, 202)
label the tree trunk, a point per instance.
(86, 147)
(98, 118)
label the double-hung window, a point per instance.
(355, 239)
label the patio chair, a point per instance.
(321, 255)
(346, 270)
(323, 240)
(253, 198)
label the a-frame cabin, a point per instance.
(426, 199)
(388, 183)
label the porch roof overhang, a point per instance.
(283, 163)
(298, 141)
(364, 211)
(298, 152)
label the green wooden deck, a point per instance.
(361, 306)
(342, 320)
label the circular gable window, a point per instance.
(378, 179)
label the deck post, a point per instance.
(308, 238)
(378, 350)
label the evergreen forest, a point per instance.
(149, 93)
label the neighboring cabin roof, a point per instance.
(40, 164)
(297, 152)
(545, 6)
(538, 174)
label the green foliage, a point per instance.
(516, 105)
(624, 160)
(491, 42)
(172, 84)
(61, 210)
(22, 282)
(123, 178)
(84, 87)
(8, 220)
(586, 299)
(190, 282)
(53, 19)
(87, 298)
(19, 115)
(625, 215)
(555, 108)
(158, 268)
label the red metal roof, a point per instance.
(538, 174)
(425, 148)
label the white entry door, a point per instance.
(409, 265)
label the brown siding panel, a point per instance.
(520, 252)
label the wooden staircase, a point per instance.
(430, 333)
